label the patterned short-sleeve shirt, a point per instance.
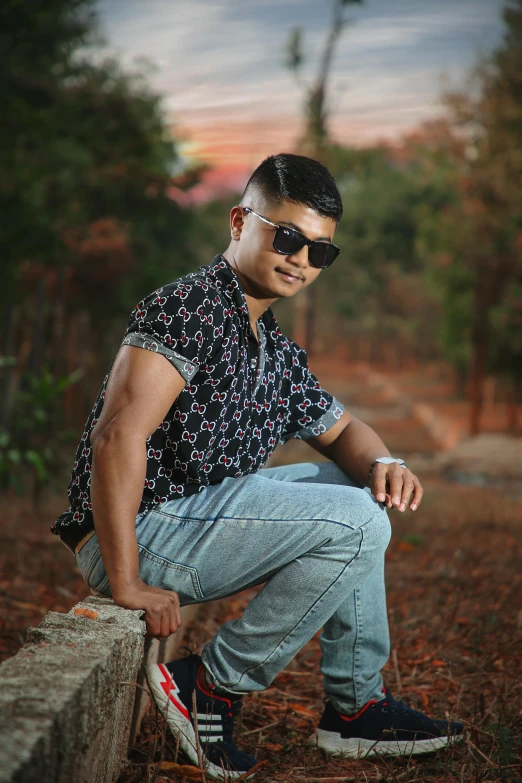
(241, 397)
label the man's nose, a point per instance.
(300, 259)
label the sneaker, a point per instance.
(386, 728)
(172, 685)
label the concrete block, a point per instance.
(65, 703)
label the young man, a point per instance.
(171, 505)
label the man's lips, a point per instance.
(289, 274)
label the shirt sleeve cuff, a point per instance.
(185, 367)
(327, 420)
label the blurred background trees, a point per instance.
(475, 245)
(88, 227)
(314, 140)
(432, 231)
(431, 264)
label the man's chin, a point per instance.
(275, 287)
(285, 288)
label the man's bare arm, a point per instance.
(353, 445)
(141, 389)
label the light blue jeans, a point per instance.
(316, 540)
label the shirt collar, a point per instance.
(234, 291)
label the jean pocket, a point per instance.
(90, 563)
(160, 572)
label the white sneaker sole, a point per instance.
(352, 747)
(176, 715)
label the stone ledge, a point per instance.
(68, 698)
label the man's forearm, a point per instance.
(118, 475)
(355, 449)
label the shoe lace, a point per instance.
(397, 706)
(228, 715)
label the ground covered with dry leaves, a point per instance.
(454, 583)
(454, 580)
(38, 574)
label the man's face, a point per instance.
(265, 272)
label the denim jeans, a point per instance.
(313, 537)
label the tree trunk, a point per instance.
(58, 336)
(8, 350)
(16, 374)
(312, 144)
(477, 377)
(38, 326)
(71, 364)
(483, 299)
(512, 408)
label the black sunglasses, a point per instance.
(289, 240)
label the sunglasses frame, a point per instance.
(309, 242)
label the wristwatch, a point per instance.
(385, 461)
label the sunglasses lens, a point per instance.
(287, 241)
(322, 254)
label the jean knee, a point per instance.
(378, 529)
(374, 534)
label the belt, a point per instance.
(74, 539)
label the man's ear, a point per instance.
(236, 222)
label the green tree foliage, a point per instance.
(87, 160)
(88, 225)
(475, 243)
(377, 284)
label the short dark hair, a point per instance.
(295, 178)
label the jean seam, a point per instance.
(262, 663)
(356, 649)
(101, 586)
(257, 519)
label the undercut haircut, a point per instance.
(294, 178)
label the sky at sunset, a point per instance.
(220, 66)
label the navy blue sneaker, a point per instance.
(383, 727)
(172, 685)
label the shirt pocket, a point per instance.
(167, 574)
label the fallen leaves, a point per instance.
(185, 770)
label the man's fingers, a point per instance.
(393, 485)
(165, 621)
(379, 482)
(153, 620)
(395, 478)
(418, 492)
(175, 617)
(156, 621)
(407, 489)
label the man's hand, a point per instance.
(162, 609)
(394, 485)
